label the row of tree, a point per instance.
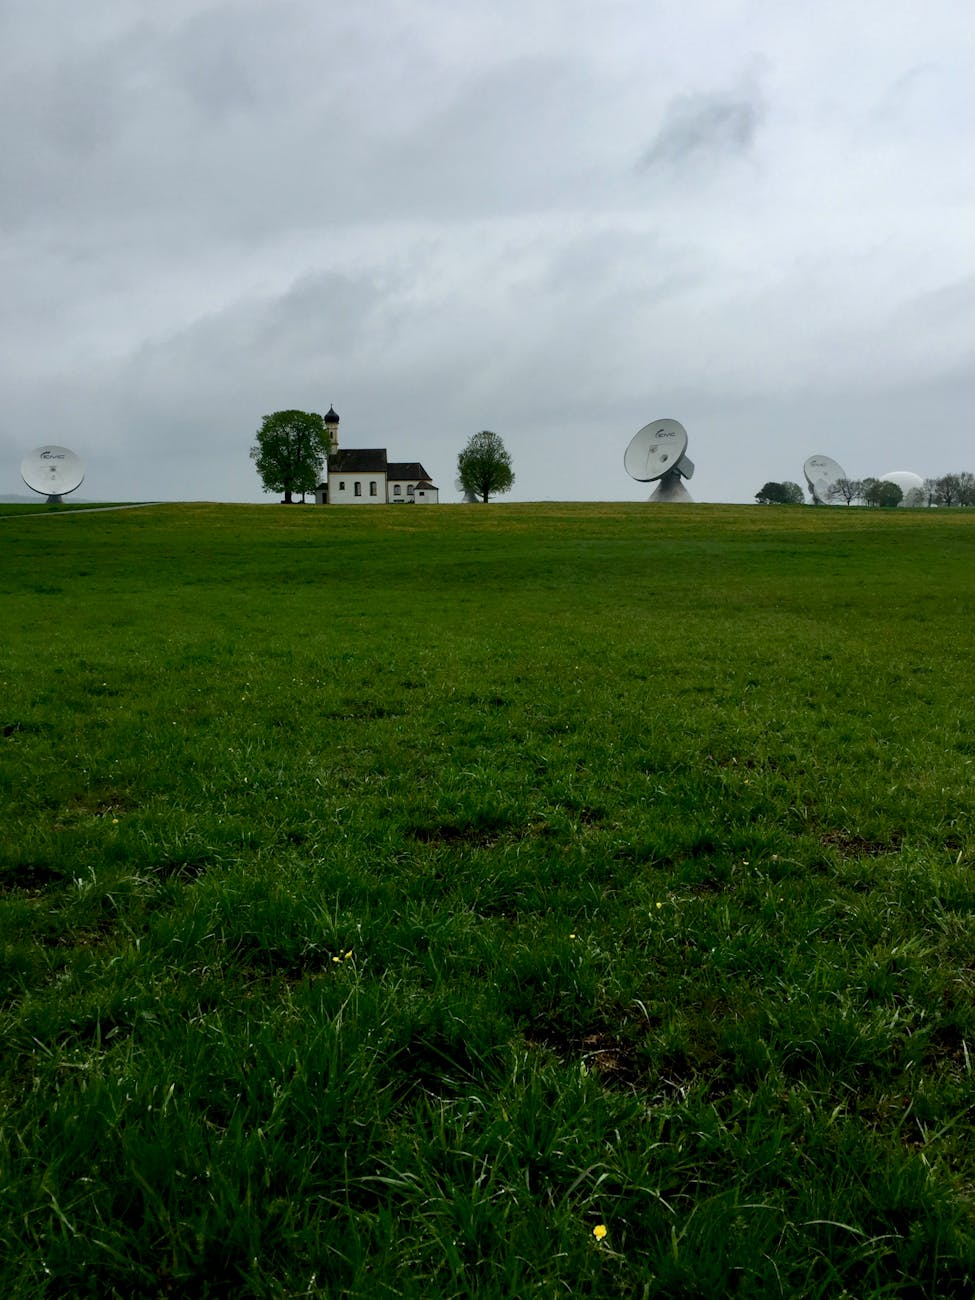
(292, 447)
(949, 490)
(871, 491)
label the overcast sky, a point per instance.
(556, 219)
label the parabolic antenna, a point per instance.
(52, 471)
(822, 473)
(656, 455)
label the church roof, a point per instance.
(358, 460)
(331, 418)
(403, 469)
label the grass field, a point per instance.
(491, 901)
(12, 509)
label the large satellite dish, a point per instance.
(822, 474)
(656, 455)
(52, 471)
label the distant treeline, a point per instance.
(948, 490)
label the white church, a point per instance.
(364, 476)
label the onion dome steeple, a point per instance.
(331, 423)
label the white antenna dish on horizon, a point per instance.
(656, 454)
(52, 471)
(822, 474)
(910, 484)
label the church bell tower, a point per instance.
(331, 422)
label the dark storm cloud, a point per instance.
(700, 130)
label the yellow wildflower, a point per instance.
(599, 1232)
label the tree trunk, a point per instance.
(287, 497)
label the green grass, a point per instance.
(15, 509)
(389, 898)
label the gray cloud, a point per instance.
(701, 130)
(430, 216)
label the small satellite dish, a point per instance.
(656, 455)
(822, 474)
(52, 471)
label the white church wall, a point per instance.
(371, 489)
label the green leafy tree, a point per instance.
(290, 452)
(780, 494)
(881, 493)
(484, 466)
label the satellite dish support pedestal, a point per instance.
(670, 488)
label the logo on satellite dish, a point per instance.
(52, 471)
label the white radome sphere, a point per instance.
(905, 479)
